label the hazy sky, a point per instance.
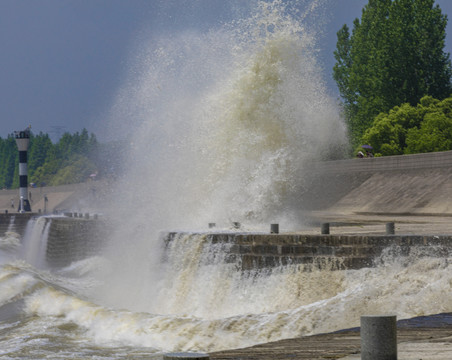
(62, 61)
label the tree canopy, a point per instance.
(394, 55)
(71, 160)
(407, 129)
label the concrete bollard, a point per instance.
(86, 215)
(390, 229)
(274, 228)
(186, 355)
(212, 225)
(378, 337)
(325, 228)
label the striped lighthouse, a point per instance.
(22, 140)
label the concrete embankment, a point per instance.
(14, 223)
(354, 190)
(334, 252)
(71, 239)
(409, 184)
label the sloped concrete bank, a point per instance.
(334, 252)
(409, 184)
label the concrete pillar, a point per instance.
(86, 215)
(325, 228)
(274, 228)
(378, 337)
(186, 355)
(390, 229)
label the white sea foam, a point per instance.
(300, 304)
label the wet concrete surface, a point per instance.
(420, 338)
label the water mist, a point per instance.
(221, 124)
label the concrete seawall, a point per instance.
(72, 239)
(337, 191)
(409, 184)
(334, 252)
(69, 238)
(14, 222)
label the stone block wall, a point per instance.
(14, 222)
(71, 239)
(334, 252)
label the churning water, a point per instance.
(222, 121)
(198, 302)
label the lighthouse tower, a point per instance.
(22, 140)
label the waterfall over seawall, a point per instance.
(54, 240)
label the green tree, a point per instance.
(72, 159)
(393, 56)
(69, 161)
(38, 151)
(435, 131)
(10, 158)
(410, 129)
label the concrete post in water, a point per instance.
(186, 355)
(325, 229)
(378, 337)
(274, 228)
(22, 141)
(390, 229)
